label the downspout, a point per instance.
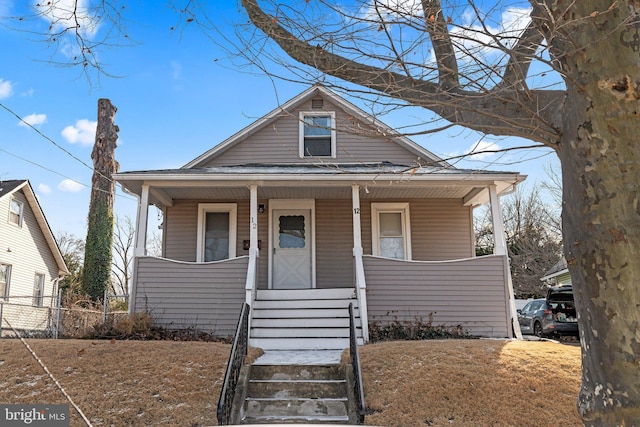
(500, 248)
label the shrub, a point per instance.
(417, 329)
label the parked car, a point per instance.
(553, 315)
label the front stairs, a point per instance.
(307, 319)
(304, 383)
(300, 394)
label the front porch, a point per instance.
(400, 243)
(472, 293)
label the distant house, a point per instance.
(31, 264)
(558, 274)
(313, 206)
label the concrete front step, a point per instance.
(296, 394)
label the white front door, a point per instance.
(292, 267)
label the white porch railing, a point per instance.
(361, 292)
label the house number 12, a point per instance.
(356, 211)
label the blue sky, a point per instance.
(177, 96)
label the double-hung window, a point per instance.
(38, 290)
(391, 234)
(216, 231)
(16, 209)
(5, 280)
(317, 134)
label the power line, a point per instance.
(53, 142)
(59, 174)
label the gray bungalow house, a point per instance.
(313, 206)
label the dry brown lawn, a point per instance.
(428, 383)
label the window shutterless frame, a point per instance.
(317, 134)
(16, 209)
(203, 209)
(390, 226)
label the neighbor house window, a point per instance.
(317, 134)
(390, 230)
(5, 279)
(38, 290)
(15, 212)
(216, 231)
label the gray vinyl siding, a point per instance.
(334, 244)
(179, 295)
(278, 143)
(181, 232)
(30, 251)
(471, 293)
(440, 228)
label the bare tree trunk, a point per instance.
(600, 157)
(97, 259)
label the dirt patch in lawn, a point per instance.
(426, 383)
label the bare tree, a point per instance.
(72, 249)
(123, 244)
(534, 241)
(456, 60)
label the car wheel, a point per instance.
(537, 330)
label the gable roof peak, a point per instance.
(306, 96)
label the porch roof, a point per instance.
(318, 180)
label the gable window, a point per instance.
(15, 212)
(391, 235)
(317, 134)
(216, 231)
(38, 290)
(5, 279)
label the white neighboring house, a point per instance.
(558, 274)
(31, 264)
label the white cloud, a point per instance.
(6, 89)
(33, 120)
(63, 14)
(44, 188)
(28, 92)
(478, 150)
(70, 186)
(83, 133)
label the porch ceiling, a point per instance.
(470, 193)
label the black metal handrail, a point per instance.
(355, 365)
(236, 359)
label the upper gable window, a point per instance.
(15, 212)
(317, 134)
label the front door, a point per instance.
(292, 249)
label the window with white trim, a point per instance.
(317, 134)
(216, 231)
(391, 233)
(5, 280)
(16, 209)
(38, 290)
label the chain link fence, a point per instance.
(56, 316)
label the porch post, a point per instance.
(500, 248)
(141, 222)
(253, 232)
(500, 243)
(361, 286)
(250, 284)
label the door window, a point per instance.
(291, 233)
